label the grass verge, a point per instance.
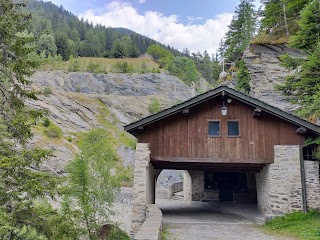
(304, 226)
(166, 235)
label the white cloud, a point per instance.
(141, 1)
(165, 29)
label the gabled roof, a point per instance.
(133, 127)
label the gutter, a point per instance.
(303, 182)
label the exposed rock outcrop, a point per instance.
(266, 72)
(78, 100)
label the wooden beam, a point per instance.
(210, 160)
(257, 113)
(301, 130)
(218, 167)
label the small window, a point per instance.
(214, 128)
(233, 128)
(309, 152)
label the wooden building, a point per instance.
(231, 146)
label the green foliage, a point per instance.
(243, 76)
(154, 106)
(53, 131)
(46, 122)
(128, 140)
(122, 67)
(91, 184)
(116, 234)
(74, 65)
(184, 68)
(94, 67)
(20, 181)
(47, 45)
(297, 224)
(304, 86)
(166, 235)
(47, 91)
(308, 35)
(159, 53)
(241, 30)
(63, 48)
(290, 62)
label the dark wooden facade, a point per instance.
(185, 139)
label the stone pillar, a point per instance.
(143, 185)
(187, 187)
(279, 184)
(197, 178)
(312, 184)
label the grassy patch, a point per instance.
(297, 224)
(102, 65)
(166, 235)
(127, 140)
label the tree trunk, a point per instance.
(285, 17)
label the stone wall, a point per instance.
(142, 186)
(151, 228)
(163, 193)
(279, 184)
(312, 184)
(197, 178)
(187, 187)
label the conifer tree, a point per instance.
(20, 182)
(241, 30)
(308, 36)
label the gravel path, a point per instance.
(205, 221)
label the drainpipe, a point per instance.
(303, 181)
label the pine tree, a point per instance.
(304, 87)
(308, 36)
(241, 30)
(279, 17)
(20, 183)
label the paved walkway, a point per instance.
(210, 221)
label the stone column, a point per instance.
(312, 184)
(197, 178)
(143, 186)
(279, 184)
(187, 187)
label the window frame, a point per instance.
(233, 136)
(214, 120)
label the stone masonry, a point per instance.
(279, 184)
(312, 184)
(152, 227)
(143, 189)
(187, 186)
(197, 178)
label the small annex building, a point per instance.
(233, 148)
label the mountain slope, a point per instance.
(81, 101)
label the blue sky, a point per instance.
(196, 25)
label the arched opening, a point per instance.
(173, 184)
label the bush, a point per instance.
(94, 67)
(154, 106)
(46, 122)
(122, 67)
(47, 91)
(74, 65)
(53, 131)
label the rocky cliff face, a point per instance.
(266, 72)
(79, 100)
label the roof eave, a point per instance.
(131, 128)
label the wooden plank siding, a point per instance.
(182, 137)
